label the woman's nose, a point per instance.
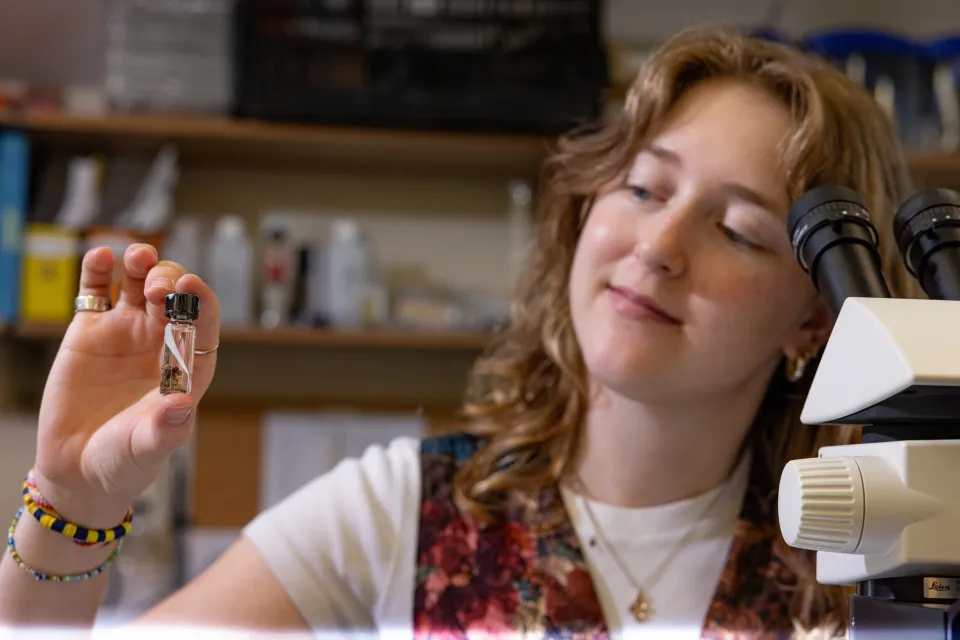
(663, 243)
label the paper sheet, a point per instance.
(298, 447)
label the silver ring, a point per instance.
(92, 303)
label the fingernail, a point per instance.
(179, 415)
(162, 283)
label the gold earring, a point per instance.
(797, 366)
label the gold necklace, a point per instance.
(641, 607)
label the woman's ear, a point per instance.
(813, 332)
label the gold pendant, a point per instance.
(640, 608)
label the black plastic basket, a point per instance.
(505, 65)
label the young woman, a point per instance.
(623, 439)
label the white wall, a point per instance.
(52, 42)
(18, 446)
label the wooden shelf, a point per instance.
(306, 337)
(939, 162)
(249, 141)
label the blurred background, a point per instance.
(356, 180)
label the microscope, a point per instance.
(883, 515)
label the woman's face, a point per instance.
(698, 231)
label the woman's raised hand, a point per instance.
(105, 431)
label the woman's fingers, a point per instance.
(208, 322)
(159, 282)
(138, 259)
(96, 272)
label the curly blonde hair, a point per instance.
(529, 393)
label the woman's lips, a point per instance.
(635, 306)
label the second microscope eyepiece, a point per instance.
(927, 229)
(837, 244)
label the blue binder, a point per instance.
(14, 192)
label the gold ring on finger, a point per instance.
(203, 352)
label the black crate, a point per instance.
(490, 65)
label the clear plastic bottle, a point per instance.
(231, 271)
(348, 274)
(179, 341)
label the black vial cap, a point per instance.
(183, 306)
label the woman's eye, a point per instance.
(641, 194)
(733, 236)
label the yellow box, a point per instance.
(50, 273)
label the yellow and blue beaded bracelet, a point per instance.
(39, 575)
(50, 519)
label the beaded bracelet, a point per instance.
(50, 519)
(39, 575)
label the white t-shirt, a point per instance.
(344, 548)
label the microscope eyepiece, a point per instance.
(927, 229)
(837, 244)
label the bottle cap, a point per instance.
(520, 193)
(230, 227)
(182, 305)
(346, 230)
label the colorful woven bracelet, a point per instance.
(50, 519)
(45, 505)
(39, 575)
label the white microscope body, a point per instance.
(888, 508)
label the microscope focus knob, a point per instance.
(821, 504)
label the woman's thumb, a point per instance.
(167, 429)
(176, 411)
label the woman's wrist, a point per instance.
(78, 508)
(49, 547)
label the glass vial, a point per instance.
(179, 340)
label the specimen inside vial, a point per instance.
(173, 379)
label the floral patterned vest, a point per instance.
(517, 580)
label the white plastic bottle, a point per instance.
(521, 227)
(231, 271)
(184, 245)
(347, 274)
